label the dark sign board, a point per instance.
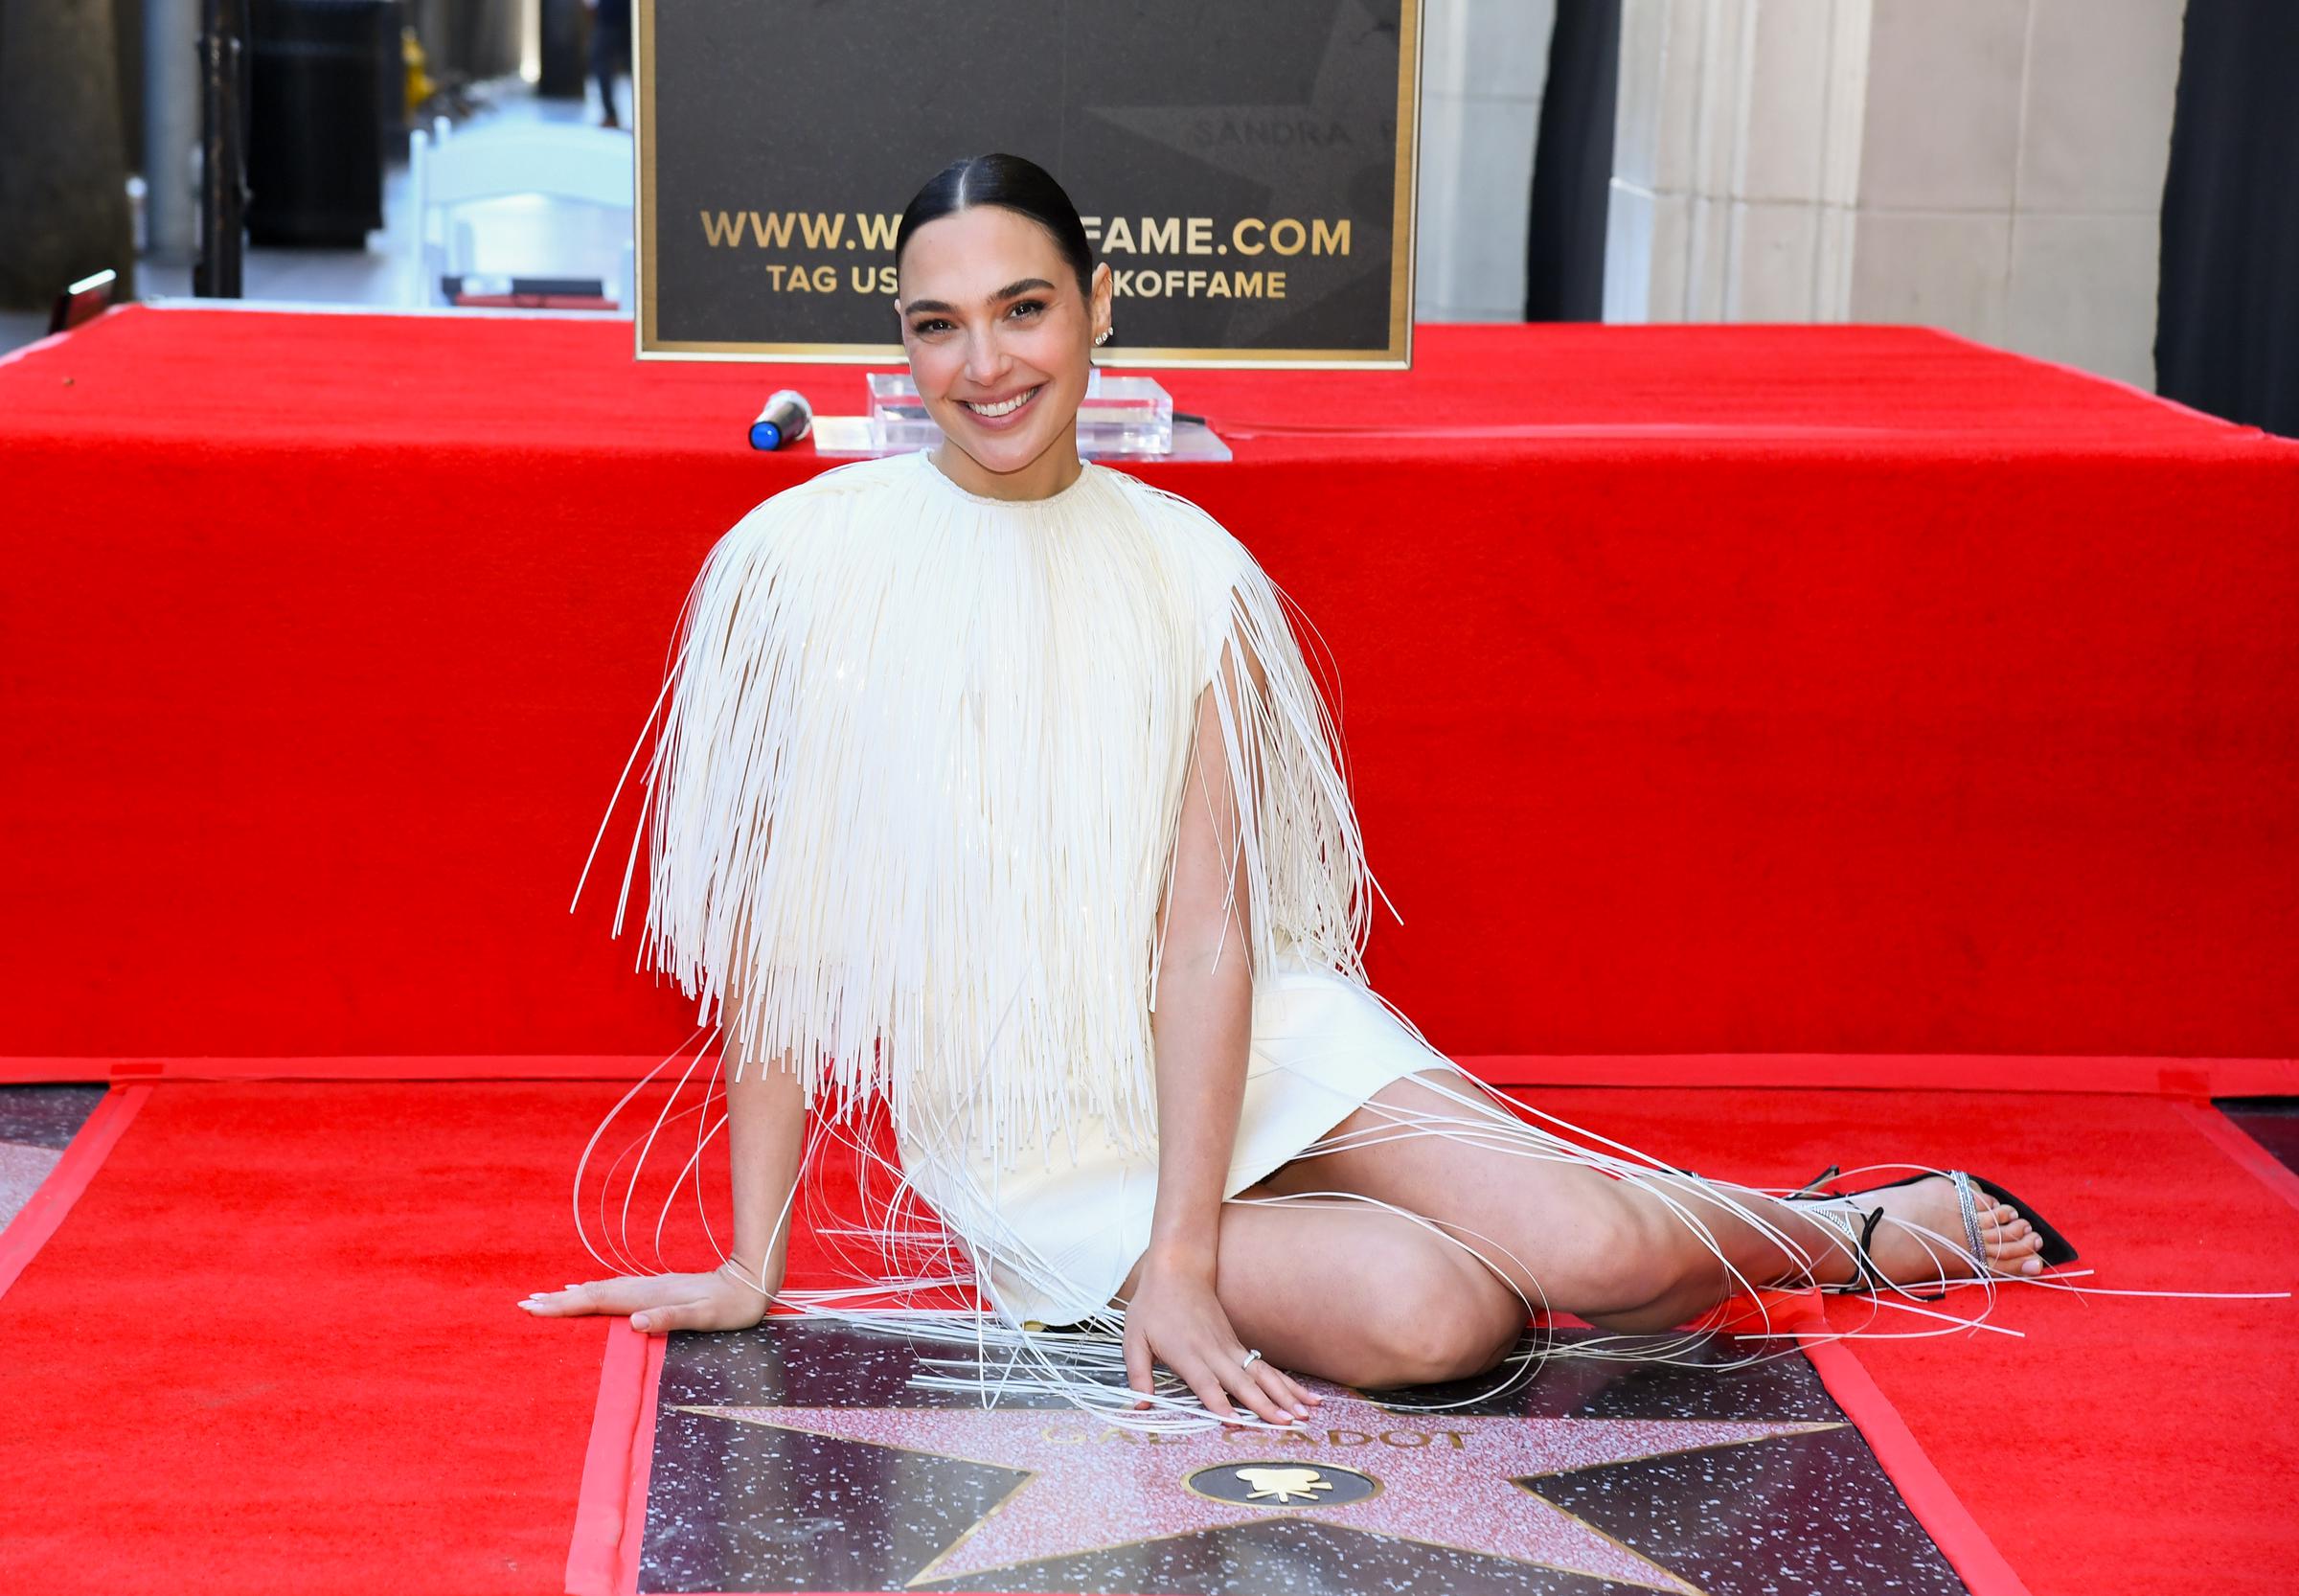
(1245, 166)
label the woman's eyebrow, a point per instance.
(1020, 287)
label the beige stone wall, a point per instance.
(1484, 65)
(1990, 167)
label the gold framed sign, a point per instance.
(1246, 170)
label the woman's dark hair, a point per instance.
(1011, 181)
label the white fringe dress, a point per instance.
(914, 799)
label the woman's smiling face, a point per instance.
(1000, 341)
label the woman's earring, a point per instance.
(1103, 336)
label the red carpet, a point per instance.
(273, 1347)
(1738, 689)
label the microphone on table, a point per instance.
(786, 420)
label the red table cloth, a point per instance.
(1737, 690)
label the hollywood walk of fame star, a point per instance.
(1315, 158)
(1440, 1480)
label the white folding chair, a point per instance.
(449, 170)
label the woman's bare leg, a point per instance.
(1343, 1290)
(1607, 1250)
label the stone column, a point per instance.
(1993, 167)
(1484, 66)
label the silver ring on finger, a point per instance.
(1247, 1363)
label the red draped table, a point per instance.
(1706, 690)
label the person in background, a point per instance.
(610, 51)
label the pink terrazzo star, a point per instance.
(1443, 1480)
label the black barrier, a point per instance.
(1246, 170)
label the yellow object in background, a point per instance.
(419, 86)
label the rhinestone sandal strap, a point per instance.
(1971, 1220)
(1865, 1276)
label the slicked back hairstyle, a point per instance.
(1019, 185)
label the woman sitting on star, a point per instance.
(993, 795)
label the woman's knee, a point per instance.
(1438, 1318)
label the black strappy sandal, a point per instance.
(2057, 1249)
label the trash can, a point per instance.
(317, 71)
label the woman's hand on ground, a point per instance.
(721, 1300)
(1175, 1319)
